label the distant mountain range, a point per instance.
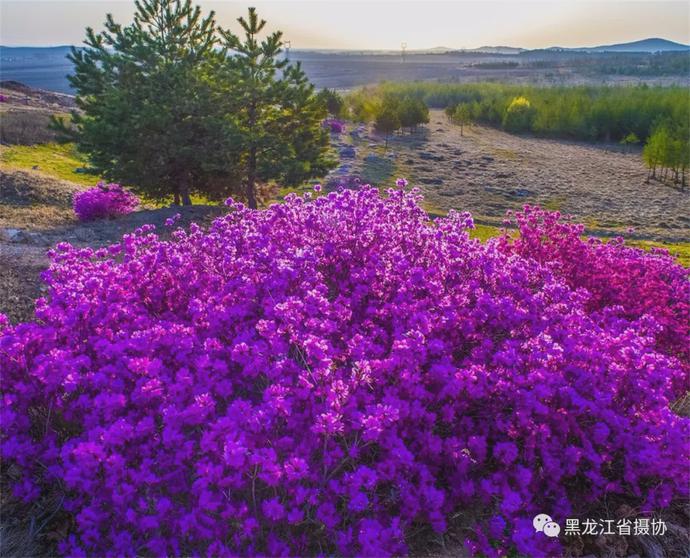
(654, 44)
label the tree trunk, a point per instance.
(186, 199)
(184, 189)
(176, 197)
(251, 179)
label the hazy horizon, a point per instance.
(382, 25)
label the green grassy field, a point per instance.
(53, 159)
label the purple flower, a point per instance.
(273, 509)
(105, 201)
(336, 375)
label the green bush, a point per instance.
(519, 115)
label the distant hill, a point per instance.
(645, 45)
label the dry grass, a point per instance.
(18, 127)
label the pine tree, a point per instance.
(147, 117)
(274, 115)
(412, 113)
(387, 122)
(461, 116)
(333, 101)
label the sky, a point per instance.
(357, 24)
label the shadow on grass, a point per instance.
(377, 170)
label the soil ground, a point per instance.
(489, 172)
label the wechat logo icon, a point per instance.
(544, 524)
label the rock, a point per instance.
(372, 158)
(487, 158)
(521, 192)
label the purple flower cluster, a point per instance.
(626, 281)
(334, 125)
(335, 375)
(105, 201)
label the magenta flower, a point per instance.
(336, 376)
(105, 201)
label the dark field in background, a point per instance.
(47, 68)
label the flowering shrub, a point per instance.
(104, 202)
(620, 280)
(332, 376)
(334, 125)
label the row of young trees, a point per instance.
(174, 105)
(589, 113)
(459, 114)
(667, 152)
(389, 113)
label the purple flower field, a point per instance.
(343, 376)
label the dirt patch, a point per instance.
(22, 188)
(19, 95)
(20, 283)
(489, 172)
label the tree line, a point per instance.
(175, 105)
(658, 117)
(388, 112)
